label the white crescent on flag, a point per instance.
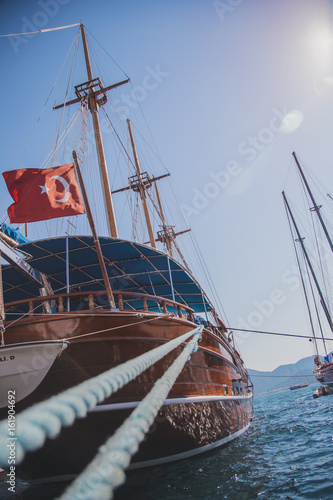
(60, 185)
(66, 188)
(45, 189)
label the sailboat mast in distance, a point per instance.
(316, 207)
(300, 239)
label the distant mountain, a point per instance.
(283, 377)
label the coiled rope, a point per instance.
(45, 419)
(106, 471)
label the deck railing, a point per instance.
(93, 300)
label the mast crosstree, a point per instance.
(93, 93)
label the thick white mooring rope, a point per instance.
(45, 419)
(106, 471)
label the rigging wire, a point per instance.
(155, 153)
(316, 308)
(208, 276)
(196, 246)
(123, 150)
(281, 334)
(41, 31)
(302, 281)
(288, 173)
(322, 187)
(58, 141)
(66, 94)
(46, 102)
(103, 48)
(317, 228)
(126, 154)
(321, 260)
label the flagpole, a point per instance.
(93, 230)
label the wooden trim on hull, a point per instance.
(207, 374)
(210, 372)
(194, 399)
(192, 453)
(208, 406)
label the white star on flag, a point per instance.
(44, 189)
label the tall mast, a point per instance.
(167, 233)
(141, 188)
(99, 145)
(300, 239)
(94, 93)
(316, 207)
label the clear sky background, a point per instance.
(215, 80)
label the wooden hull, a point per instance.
(180, 431)
(209, 405)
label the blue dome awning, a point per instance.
(131, 267)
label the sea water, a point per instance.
(286, 454)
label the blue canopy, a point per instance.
(131, 267)
(13, 233)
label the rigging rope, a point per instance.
(46, 102)
(113, 328)
(279, 333)
(46, 419)
(302, 280)
(106, 471)
(317, 313)
(108, 54)
(42, 31)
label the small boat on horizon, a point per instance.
(298, 386)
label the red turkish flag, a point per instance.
(42, 194)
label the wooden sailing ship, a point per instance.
(113, 299)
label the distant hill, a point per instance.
(283, 377)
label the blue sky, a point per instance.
(215, 80)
